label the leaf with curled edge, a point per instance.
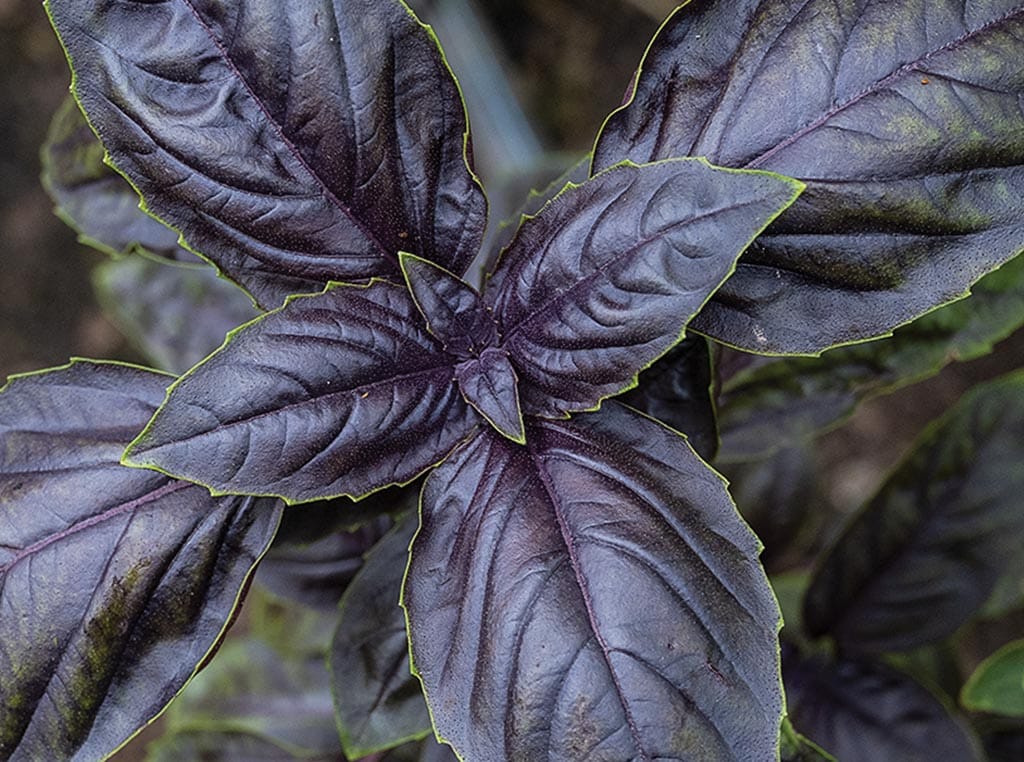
(338, 393)
(862, 711)
(93, 199)
(115, 583)
(292, 142)
(903, 119)
(605, 278)
(175, 316)
(778, 402)
(378, 703)
(592, 595)
(926, 551)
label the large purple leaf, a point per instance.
(290, 141)
(95, 200)
(115, 583)
(904, 120)
(337, 393)
(603, 279)
(926, 551)
(592, 595)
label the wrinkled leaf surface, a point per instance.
(115, 583)
(292, 142)
(903, 119)
(592, 595)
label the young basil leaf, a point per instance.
(253, 704)
(489, 383)
(866, 712)
(452, 308)
(342, 392)
(292, 142)
(997, 685)
(377, 701)
(903, 119)
(782, 401)
(175, 316)
(95, 200)
(676, 390)
(604, 279)
(116, 583)
(593, 595)
(925, 552)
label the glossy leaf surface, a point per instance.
(115, 583)
(342, 392)
(865, 712)
(175, 316)
(378, 702)
(997, 685)
(453, 310)
(925, 552)
(593, 595)
(292, 142)
(253, 704)
(490, 385)
(903, 119)
(605, 278)
(95, 200)
(676, 390)
(781, 401)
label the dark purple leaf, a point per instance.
(677, 391)
(903, 119)
(927, 550)
(378, 702)
(291, 141)
(174, 315)
(115, 583)
(93, 199)
(605, 278)
(867, 712)
(592, 595)
(337, 393)
(490, 385)
(452, 308)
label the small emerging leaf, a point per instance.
(490, 385)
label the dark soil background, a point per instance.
(569, 62)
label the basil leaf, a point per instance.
(865, 712)
(378, 702)
(903, 119)
(593, 595)
(926, 551)
(281, 136)
(997, 685)
(605, 278)
(490, 385)
(342, 392)
(95, 200)
(116, 584)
